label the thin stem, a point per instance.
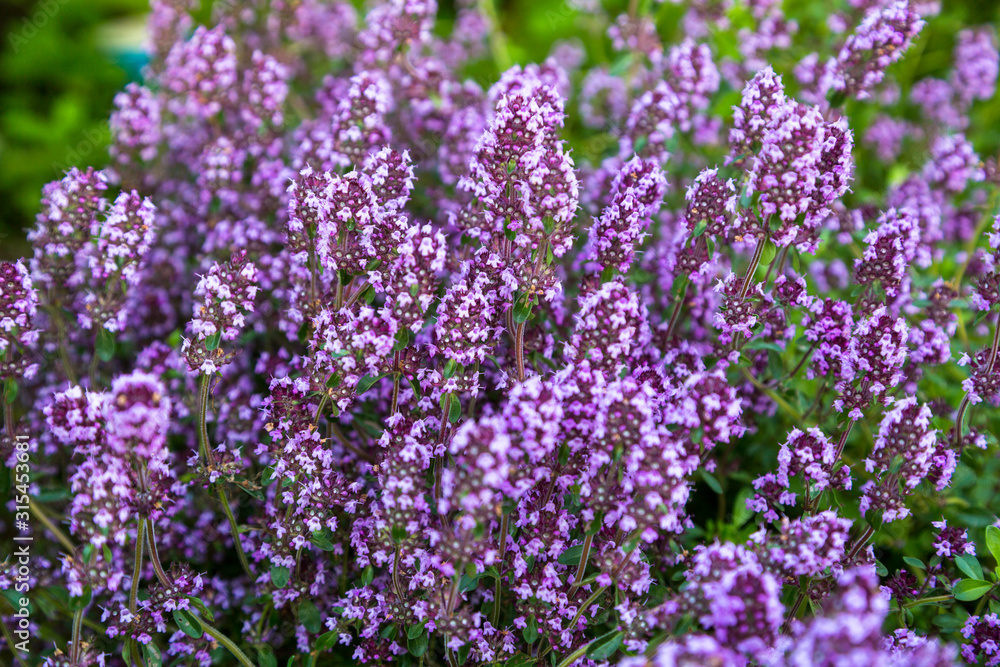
(931, 600)
(498, 592)
(843, 440)
(395, 574)
(675, 316)
(78, 622)
(586, 605)
(794, 610)
(805, 358)
(752, 269)
(582, 567)
(154, 554)
(235, 530)
(519, 350)
(206, 448)
(240, 656)
(133, 598)
(869, 531)
(970, 246)
(44, 519)
(11, 643)
(574, 656)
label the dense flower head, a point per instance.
(373, 346)
(803, 166)
(636, 195)
(976, 64)
(225, 296)
(953, 163)
(901, 457)
(733, 596)
(122, 239)
(809, 546)
(18, 305)
(891, 246)
(69, 208)
(879, 40)
(763, 100)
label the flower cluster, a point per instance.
(372, 346)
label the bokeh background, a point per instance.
(62, 61)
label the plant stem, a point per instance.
(44, 519)
(582, 567)
(519, 350)
(235, 530)
(10, 642)
(805, 358)
(583, 608)
(498, 593)
(752, 269)
(154, 554)
(206, 449)
(240, 656)
(133, 598)
(574, 656)
(931, 600)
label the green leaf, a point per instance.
(320, 540)
(367, 575)
(152, 653)
(202, 608)
(949, 622)
(450, 367)
(415, 631)
(914, 562)
(530, 631)
(770, 250)
(455, 409)
(327, 640)
(971, 589)
(188, 624)
(605, 646)
(78, 603)
(105, 344)
(388, 631)
(711, 481)
(571, 556)
(993, 541)
(266, 657)
(212, 342)
(365, 383)
(699, 229)
(417, 646)
(969, 565)
(10, 391)
(309, 617)
(279, 576)
(761, 344)
(520, 660)
(522, 310)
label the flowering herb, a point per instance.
(674, 359)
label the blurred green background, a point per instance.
(62, 61)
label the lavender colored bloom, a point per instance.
(18, 306)
(976, 65)
(901, 458)
(879, 40)
(226, 295)
(953, 163)
(637, 192)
